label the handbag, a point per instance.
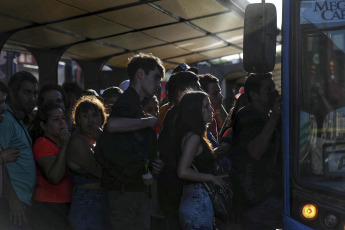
(221, 199)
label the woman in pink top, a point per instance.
(53, 190)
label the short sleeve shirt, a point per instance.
(45, 191)
(22, 172)
(128, 105)
(259, 178)
(123, 155)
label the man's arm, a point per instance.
(17, 208)
(258, 146)
(122, 124)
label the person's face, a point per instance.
(152, 108)
(2, 105)
(267, 94)
(151, 82)
(207, 110)
(89, 121)
(26, 97)
(215, 94)
(55, 124)
(54, 96)
(109, 102)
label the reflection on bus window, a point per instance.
(321, 160)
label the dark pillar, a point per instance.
(91, 70)
(48, 61)
(9, 70)
(4, 37)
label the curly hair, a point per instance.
(84, 104)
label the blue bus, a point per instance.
(313, 94)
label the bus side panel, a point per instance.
(290, 224)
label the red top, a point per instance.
(45, 191)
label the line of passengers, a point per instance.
(81, 161)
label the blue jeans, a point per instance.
(196, 209)
(89, 210)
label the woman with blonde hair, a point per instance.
(89, 202)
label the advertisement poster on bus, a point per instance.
(322, 12)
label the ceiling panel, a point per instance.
(39, 11)
(43, 38)
(97, 27)
(8, 24)
(199, 44)
(91, 50)
(133, 17)
(119, 61)
(234, 37)
(133, 41)
(92, 5)
(192, 8)
(122, 60)
(188, 58)
(165, 51)
(125, 26)
(220, 22)
(220, 52)
(174, 32)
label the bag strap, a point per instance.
(208, 189)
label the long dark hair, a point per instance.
(190, 119)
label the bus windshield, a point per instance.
(321, 159)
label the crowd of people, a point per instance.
(73, 159)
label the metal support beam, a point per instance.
(91, 71)
(4, 37)
(47, 61)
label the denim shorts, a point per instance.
(89, 209)
(196, 209)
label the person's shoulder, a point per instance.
(127, 105)
(191, 137)
(7, 122)
(129, 95)
(246, 115)
(245, 112)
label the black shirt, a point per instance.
(124, 155)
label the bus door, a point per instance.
(313, 92)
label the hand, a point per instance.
(152, 122)
(218, 180)
(277, 109)
(64, 137)
(10, 154)
(17, 212)
(95, 131)
(157, 166)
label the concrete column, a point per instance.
(91, 70)
(48, 61)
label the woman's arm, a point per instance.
(190, 149)
(80, 154)
(54, 167)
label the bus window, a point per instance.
(321, 160)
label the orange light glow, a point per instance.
(309, 211)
